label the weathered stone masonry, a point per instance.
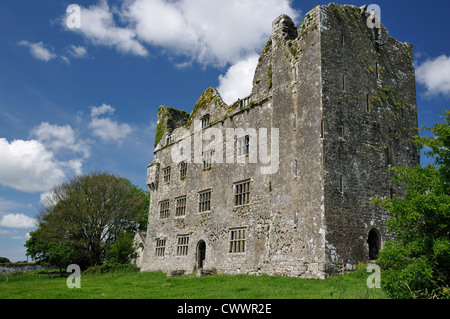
(342, 96)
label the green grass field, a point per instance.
(156, 285)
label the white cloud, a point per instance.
(17, 221)
(13, 234)
(77, 51)
(434, 74)
(60, 137)
(103, 109)
(211, 32)
(28, 166)
(74, 51)
(38, 50)
(98, 25)
(47, 199)
(107, 129)
(238, 81)
(32, 166)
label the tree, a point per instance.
(123, 249)
(417, 263)
(4, 260)
(86, 214)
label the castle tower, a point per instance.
(280, 182)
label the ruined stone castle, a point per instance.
(280, 182)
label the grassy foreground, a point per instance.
(155, 285)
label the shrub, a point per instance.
(416, 264)
(123, 250)
(111, 268)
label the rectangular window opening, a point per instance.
(183, 169)
(166, 174)
(237, 240)
(388, 155)
(207, 159)
(182, 245)
(169, 139)
(164, 209)
(205, 120)
(242, 193)
(204, 201)
(160, 247)
(322, 129)
(243, 145)
(180, 209)
(391, 193)
(244, 102)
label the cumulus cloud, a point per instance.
(17, 221)
(28, 166)
(237, 82)
(109, 130)
(106, 128)
(39, 50)
(101, 110)
(38, 164)
(211, 32)
(58, 137)
(99, 26)
(48, 199)
(434, 74)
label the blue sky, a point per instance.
(83, 99)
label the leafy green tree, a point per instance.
(37, 249)
(49, 253)
(87, 214)
(417, 263)
(60, 255)
(4, 260)
(122, 250)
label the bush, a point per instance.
(416, 264)
(405, 275)
(122, 250)
(111, 268)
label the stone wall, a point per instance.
(370, 117)
(10, 268)
(344, 109)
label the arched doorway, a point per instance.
(374, 241)
(201, 254)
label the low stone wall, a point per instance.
(6, 268)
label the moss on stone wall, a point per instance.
(269, 77)
(209, 95)
(168, 118)
(160, 128)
